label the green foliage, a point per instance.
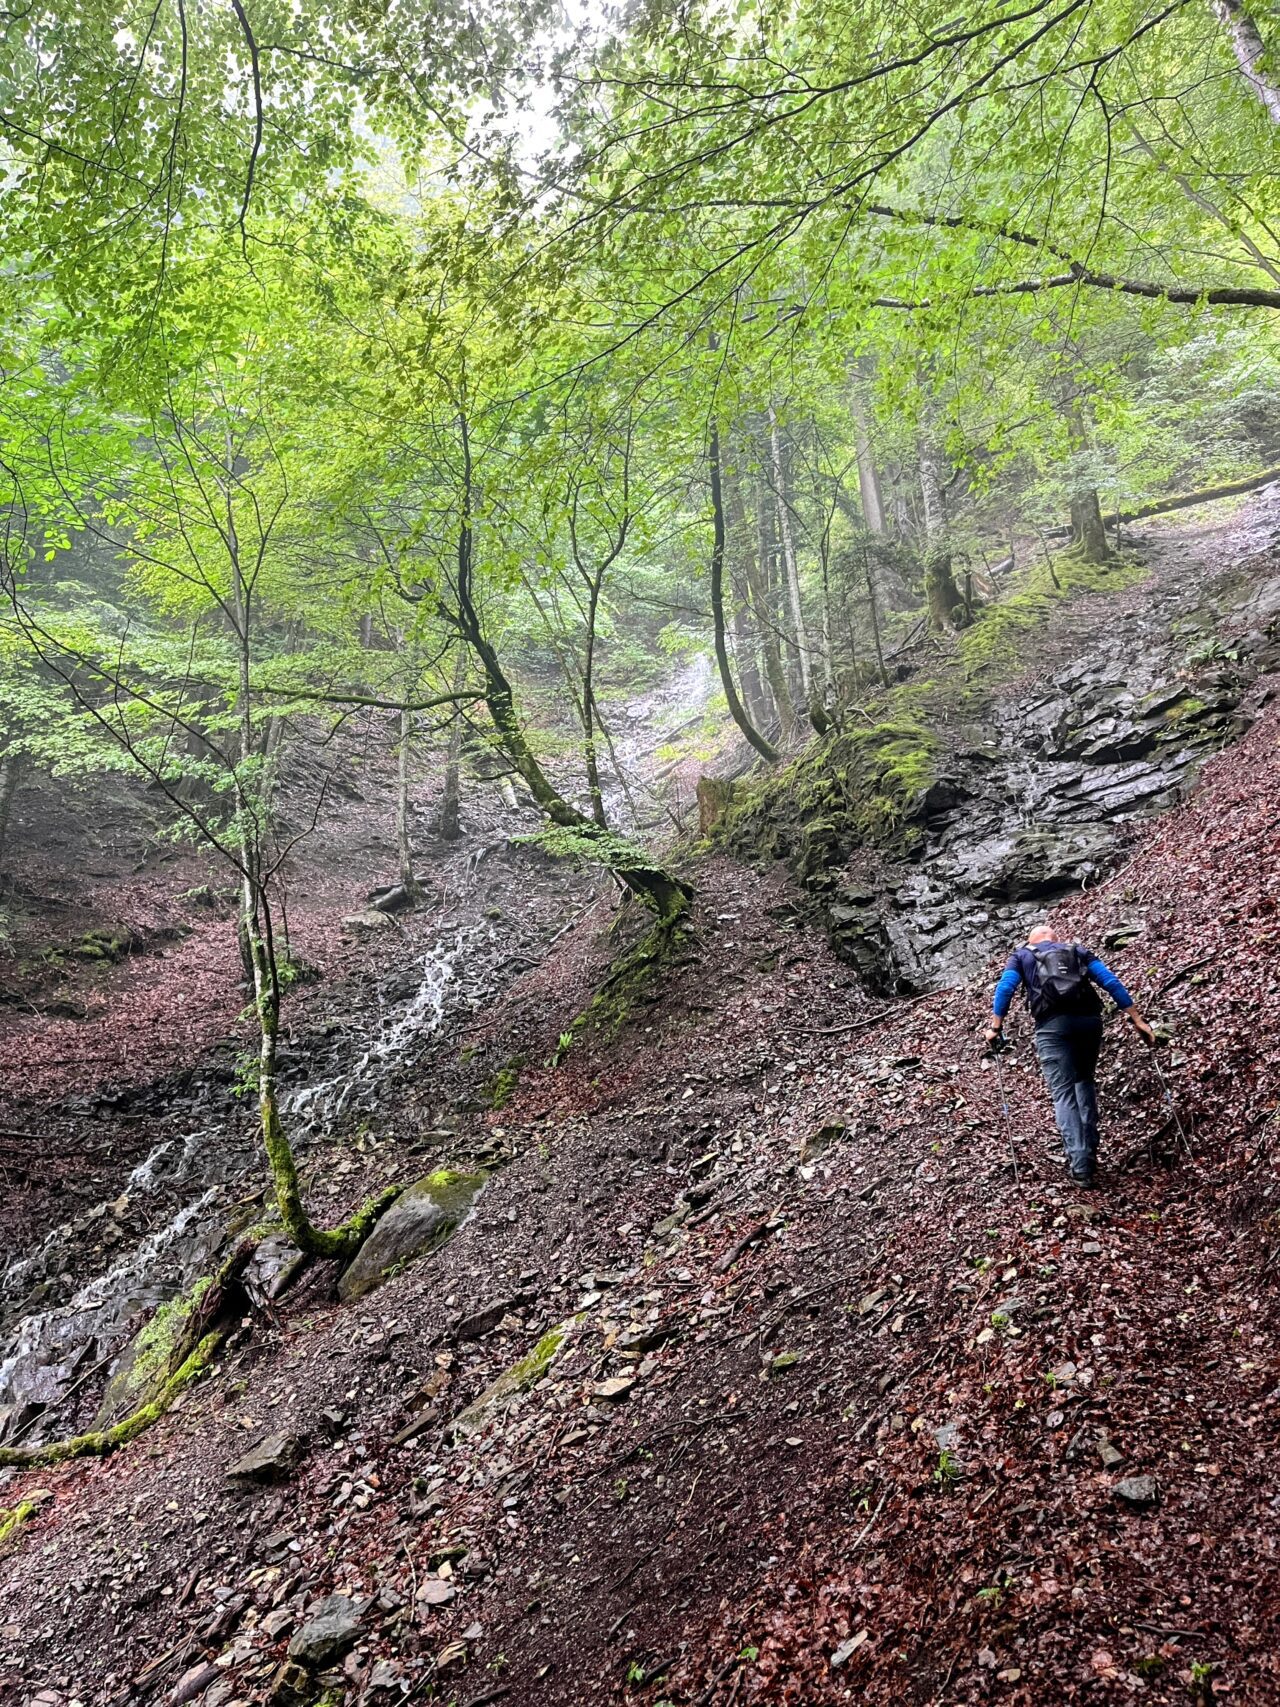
(949, 1470)
(586, 843)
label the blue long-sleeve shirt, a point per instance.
(1015, 973)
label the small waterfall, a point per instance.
(50, 1348)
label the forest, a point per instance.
(574, 579)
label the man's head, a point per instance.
(1040, 934)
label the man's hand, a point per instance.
(1143, 1030)
(994, 1037)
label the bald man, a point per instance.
(1061, 981)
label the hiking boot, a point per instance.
(1085, 1178)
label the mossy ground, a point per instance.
(502, 1086)
(995, 645)
(12, 1521)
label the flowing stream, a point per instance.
(51, 1343)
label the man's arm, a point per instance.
(1005, 990)
(1106, 979)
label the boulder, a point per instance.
(419, 1220)
(399, 898)
(331, 1630)
(367, 921)
(273, 1459)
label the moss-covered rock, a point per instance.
(526, 1372)
(145, 1364)
(418, 1222)
(863, 786)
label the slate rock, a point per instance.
(193, 1683)
(273, 1268)
(291, 1686)
(273, 1459)
(327, 1635)
(1111, 1456)
(482, 1322)
(436, 1592)
(1141, 1492)
(615, 1388)
(420, 1219)
(846, 1650)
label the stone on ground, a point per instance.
(419, 1220)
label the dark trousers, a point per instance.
(1067, 1047)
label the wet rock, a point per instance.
(1140, 1492)
(420, 1220)
(273, 1459)
(193, 1683)
(331, 1630)
(399, 898)
(367, 922)
(273, 1268)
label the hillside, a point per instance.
(817, 1381)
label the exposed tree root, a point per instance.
(219, 1309)
(630, 974)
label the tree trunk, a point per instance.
(868, 477)
(828, 635)
(1251, 52)
(757, 566)
(257, 940)
(746, 641)
(404, 849)
(10, 765)
(874, 612)
(449, 826)
(781, 495)
(941, 592)
(736, 711)
(589, 713)
(1087, 529)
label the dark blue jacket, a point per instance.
(1020, 968)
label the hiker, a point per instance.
(1059, 980)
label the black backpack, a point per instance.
(1062, 984)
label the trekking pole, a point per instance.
(1167, 1096)
(998, 1047)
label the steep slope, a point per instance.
(844, 1406)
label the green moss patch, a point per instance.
(145, 1365)
(522, 1375)
(863, 786)
(995, 644)
(502, 1086)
